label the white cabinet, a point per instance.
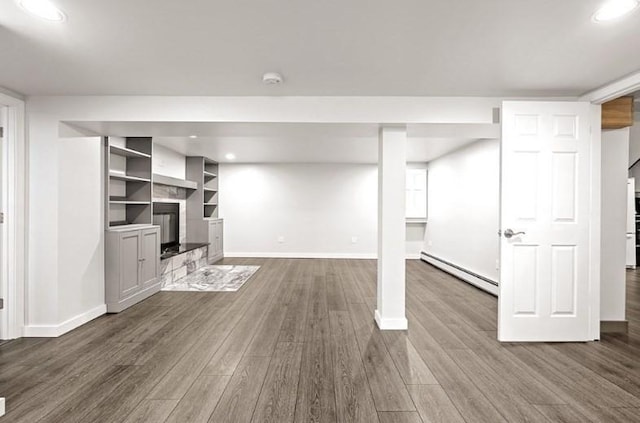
(132, 265)
(216, 231)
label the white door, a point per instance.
(545, 211)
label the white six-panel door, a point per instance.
(545, 201)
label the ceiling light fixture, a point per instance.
(272, 78)
(43, 9)
(230, 156)
(193, 137)
(614, 9)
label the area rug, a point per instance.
(214, 279)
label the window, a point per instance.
(416, 207)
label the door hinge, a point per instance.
(1, 217)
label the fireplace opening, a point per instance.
(167, 216)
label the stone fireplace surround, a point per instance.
(178, 266)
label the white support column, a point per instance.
(392, 164)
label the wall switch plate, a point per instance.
(354, 239)
(280, 239)
(497, 264)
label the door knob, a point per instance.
(508, 233)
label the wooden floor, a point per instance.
(298, 344)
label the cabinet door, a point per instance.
(150, 255)
(220, 237)
(213, 244)
(129, 263)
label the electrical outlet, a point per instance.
(280, 239)
(354, 239)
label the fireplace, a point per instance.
(167, 216)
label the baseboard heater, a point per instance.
(468, 276)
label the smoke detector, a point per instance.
(272, 78)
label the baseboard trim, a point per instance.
(134, 299)
(614, 326)
(363, 256)
(465, 275)
(391, 324)
(53, 331)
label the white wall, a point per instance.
(50, 304)
(415, 239)
(315, 208)
(463, 208)
(82, 285)
(168, 162)
(615, 159)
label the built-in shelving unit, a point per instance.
(132, 242)
(203, 224)
(210, 188)
(203, 202)
(129, 175)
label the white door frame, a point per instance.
(14, 187)
(595, 222)
(597, 97)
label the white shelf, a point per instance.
(209, 174)
(127, 152)
(123, 177)
(210, 204)
(129, 227)
(210, 189)
(125, 202)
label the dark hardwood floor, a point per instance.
(298, 343)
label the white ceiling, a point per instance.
(330, 47)
(290, 142)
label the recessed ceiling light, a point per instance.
(614, 9)
(193, 137)
(43, 9)
(230, 156)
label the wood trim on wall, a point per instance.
(618, 113)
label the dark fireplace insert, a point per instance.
(167, 216)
